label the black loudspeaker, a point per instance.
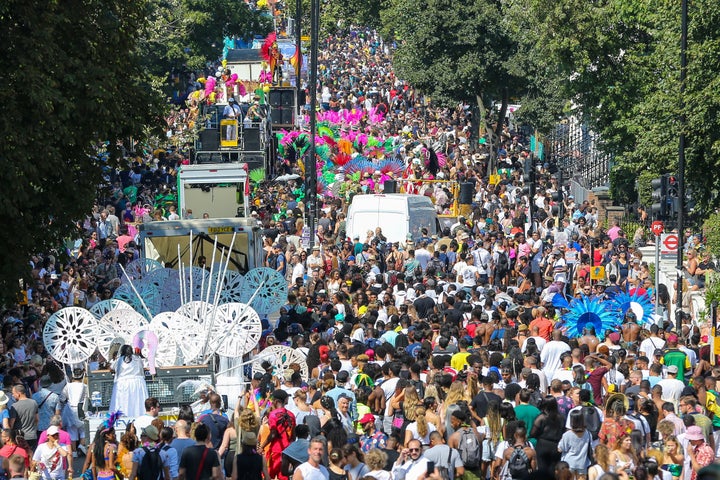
(282, 116)
(276, 98)
(467, 191)
(390, 186)
(288, 98)
(251, 137)
(209, 140)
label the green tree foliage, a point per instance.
(622, 186)
(711, 230)
(72, 77)
(340, 16)
(466, 52)
(619, 61)
(186, 34)
(644, 188)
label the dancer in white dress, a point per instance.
(130, 390)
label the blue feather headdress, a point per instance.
(110, 422)
(639, 304)
(586, 311)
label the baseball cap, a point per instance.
(53, 430)
(150, 432)
(672, 369)
(367, 418)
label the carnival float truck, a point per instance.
(213, 200)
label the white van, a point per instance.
(398, 214)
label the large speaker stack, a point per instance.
(209, 140)
(251, 140)
(283, 106)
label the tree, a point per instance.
(461, 53)
(619, 62)
(72, 78)
(186, 34)
(340, 16)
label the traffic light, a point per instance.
(659, 197)
(673, 195)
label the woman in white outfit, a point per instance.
(130, 390)
(74, 395)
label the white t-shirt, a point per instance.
(469, 276)
(298, 271)
(458, 267)
(388, 388)
(413, 428)
(650, 344)
(49, 457)
(313, 473)
(671, 389)
(550, 356)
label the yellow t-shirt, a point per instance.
(459, 360)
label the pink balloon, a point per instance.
(234, 77)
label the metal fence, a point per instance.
(573, 147)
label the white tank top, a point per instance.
(313, 473)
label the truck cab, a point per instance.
(218, 190)
(160, 241)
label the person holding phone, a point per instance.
(410, 464)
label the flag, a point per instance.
(296, 61)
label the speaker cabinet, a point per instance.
(467, 192)
(251, 138)
(209, 139)
(390, 186)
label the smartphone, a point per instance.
(430, 468)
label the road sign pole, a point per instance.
(657, 274)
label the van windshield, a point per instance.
(419, 219)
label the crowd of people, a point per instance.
(440, 356)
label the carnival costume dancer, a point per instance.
(130, 390)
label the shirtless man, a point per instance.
(589, 338)
(630, 328)
(485, 329)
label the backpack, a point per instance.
(470, 449)
(503, 263)
(217, 426)
(519, 463)
(151, 466)
(592, 420)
